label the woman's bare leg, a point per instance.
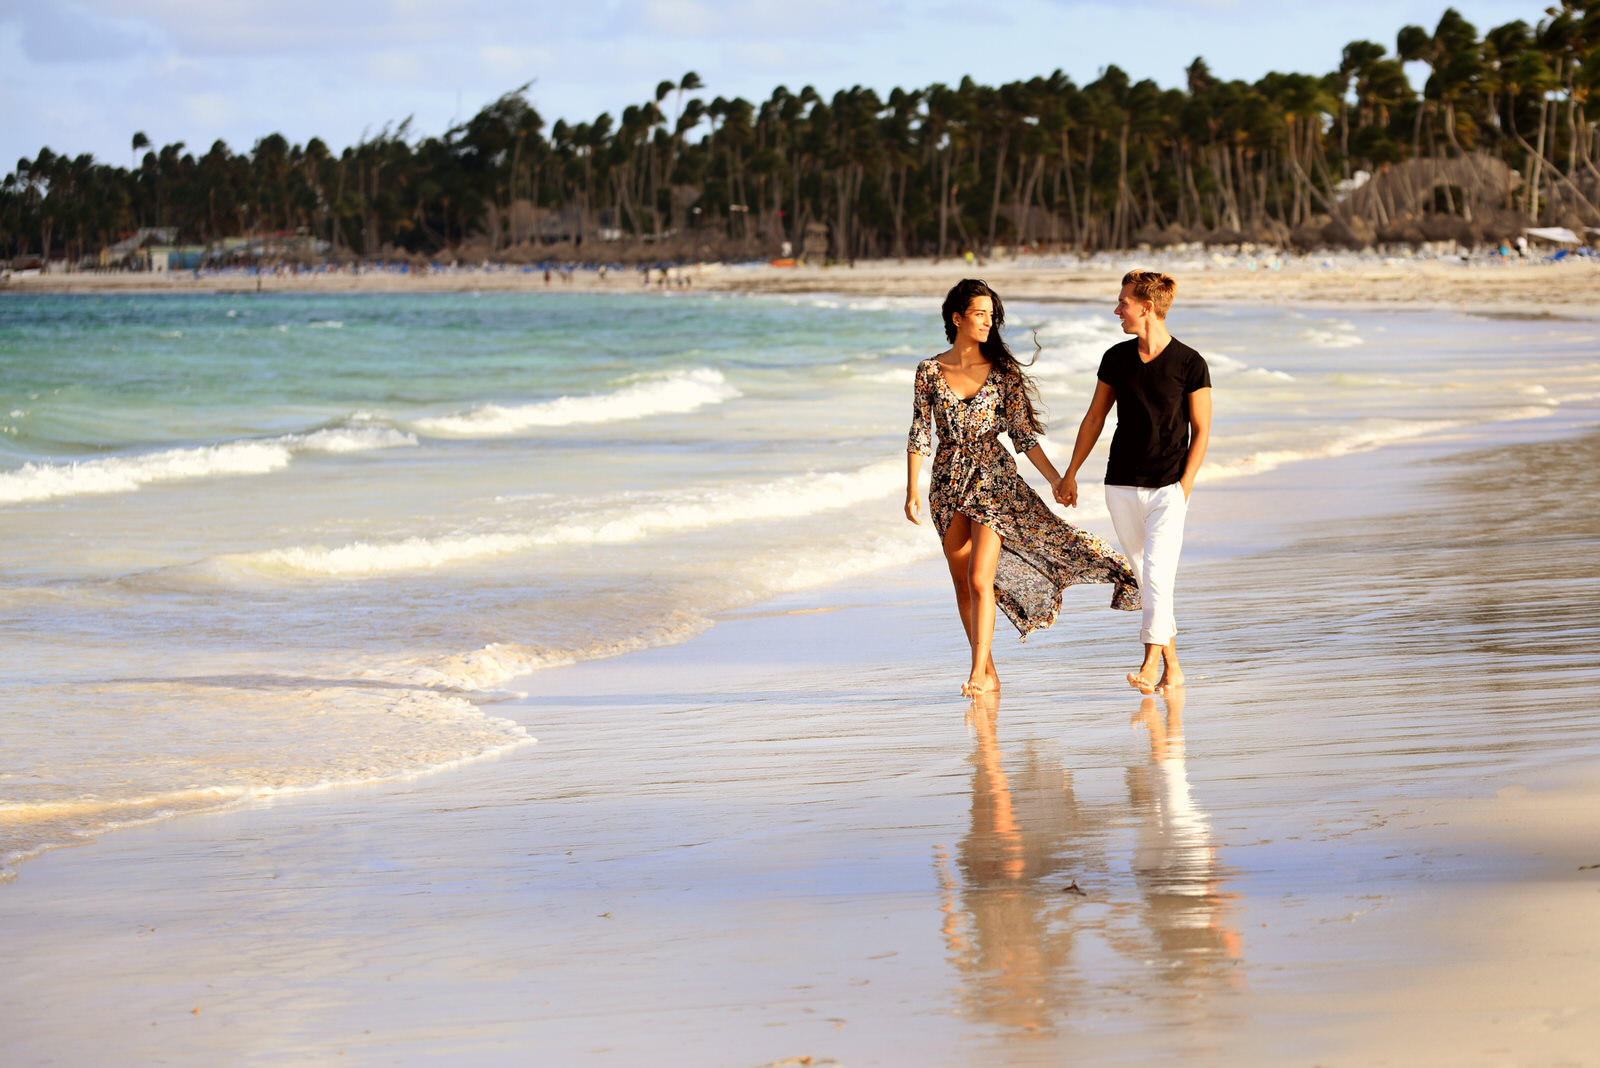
(958, 554)
(980, 586)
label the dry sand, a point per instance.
(1516, 288)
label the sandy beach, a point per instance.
(1332, 280)
(759, 826)
(788, 842)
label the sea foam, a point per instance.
(124, 474)
(627, 518)
(1360, 440)
(681, 391)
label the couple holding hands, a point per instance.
(1004, 545)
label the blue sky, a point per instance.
(83, 76)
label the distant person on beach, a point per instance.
(1003, 543)
(1161, 389)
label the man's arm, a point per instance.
(1094, 421)
(1199, 436)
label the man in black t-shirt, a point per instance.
(1162, 392)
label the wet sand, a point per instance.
(1530, 287)
(1366, 835)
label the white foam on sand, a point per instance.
(498, 662)
(343, 736)
(678, 392)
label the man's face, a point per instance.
(1132, 311)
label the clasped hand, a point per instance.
(1066, 491)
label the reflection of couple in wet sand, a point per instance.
(1037, 852)
(1004, 545)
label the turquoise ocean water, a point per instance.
(258, 543)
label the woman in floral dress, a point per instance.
(1004, 545)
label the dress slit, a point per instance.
(973, 475)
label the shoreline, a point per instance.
(1570, 287)
(761, 846)
(476, 915)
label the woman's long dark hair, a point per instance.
(995, 350)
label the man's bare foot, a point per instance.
(1171, 679)
(1144, 680)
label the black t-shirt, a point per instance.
(1152, 437)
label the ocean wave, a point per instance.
(629, 519)
(124, 474)
(1075, 347)
(916, 304)
(1362, 440)
(498, 662)
(680, 391)
(1339, 338)
(1221, 365)
(418, 732)
(899, 376)
(824, 566)
(1366, 440)
(1069, 346)
(1360, 381)
(1512, 415)
(349, 439)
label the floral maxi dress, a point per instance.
(1040, 553)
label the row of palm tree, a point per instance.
(1504, 131)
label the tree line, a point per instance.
(1502, 133)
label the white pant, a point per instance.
(1149, 524)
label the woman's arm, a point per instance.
(919, 442)
(913, 499)
(1037, 457)
(1094, 421)
(1199, 437)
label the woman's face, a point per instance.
(975, 323)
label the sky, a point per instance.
(84, 76)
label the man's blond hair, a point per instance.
(1155, 287)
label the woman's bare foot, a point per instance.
(980, 685)
(987, 683)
